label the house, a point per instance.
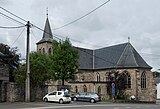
(158, 91)
(157, 83)
(4, 77)
(96, 65)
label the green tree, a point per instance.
(10, 57)
(64, 61)
(19, 74)
(38, 70)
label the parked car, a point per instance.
(57, 96)
(87, 96)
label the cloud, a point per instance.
(110, 25)
(5, 2)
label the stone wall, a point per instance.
(4, 78)
(14, 92)
(146, 94)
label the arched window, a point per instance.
(85, 88)
(143, 80)
(83, 77)
(49, 50)
(107, 77)
(99, 90)
(76, 89)
(128, 80)
(39, 50)
(98, 77)
(43, 50)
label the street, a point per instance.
(76, 105)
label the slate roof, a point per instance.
(117, 56)
(47, 34)
(85, 58)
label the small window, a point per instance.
(39, 50)
(128, 80)
(43, 50)
(82, 77)
(85, 88)
(98, 77)
(99, 90)
(76, 89)
(49, 51)
(143, 80)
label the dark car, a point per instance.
(87, 96)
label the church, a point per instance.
(96, 65)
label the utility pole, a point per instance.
(27, 88)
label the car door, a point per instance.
(52, 96)
(87, 97)
(82, 97)
(59, 95)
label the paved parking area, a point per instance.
(75, 105)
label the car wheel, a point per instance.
(74, 99)
(45, 100)
(92, 101)
(61, 101)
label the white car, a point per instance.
(57, 96)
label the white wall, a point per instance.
(158, 91)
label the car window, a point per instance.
(82, 93)
(65, 93)
(59, 93)
(53, 93)
(87, 93)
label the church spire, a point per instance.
(47, 30)
(47, 33)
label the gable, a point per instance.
(108, 57)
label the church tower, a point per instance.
(45, 44)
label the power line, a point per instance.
(97, 57)
(79, 49)
(44, 31)
(8, 27)
(12, 18)
(18, 37)
(77, 40)
(13, 14)
(81, 16)
(61, 26)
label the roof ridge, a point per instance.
(111, 46)
(133, 55)
(121, 55)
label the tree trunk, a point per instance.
(62, 81)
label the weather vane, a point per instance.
(47, 12)
(128, 39)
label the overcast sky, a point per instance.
(109, 25)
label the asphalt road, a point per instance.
(76, 105)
